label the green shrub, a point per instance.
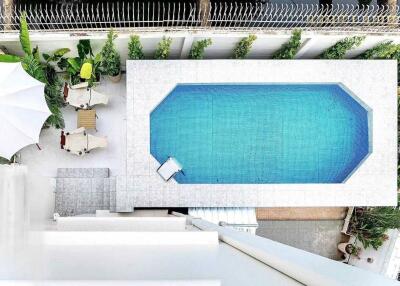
(110, 58)
(385, 50)
(243, 48)
(85, 55)
(339, 50)
(135, 48)
(370, 224)
(197, 50)
(163, 49)
(289, 50)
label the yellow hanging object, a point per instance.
(86, 71)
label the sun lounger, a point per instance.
(96, 142)
(78, 142)
(169, 168)
(81, 96)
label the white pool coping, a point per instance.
(373, 183)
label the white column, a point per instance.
(307, 44)
(186, 46)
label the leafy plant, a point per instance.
(4, 58)
(243, 48)
(339, 50)
(197, 50)
(370, 224)
(58, 58)
(110, 58)
(85, 55)
(163, 49)
(289, 49)
(24, 35)
(135, 48)
(385, 50)
(43, 72)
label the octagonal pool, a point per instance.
(260, 133)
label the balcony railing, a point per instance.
(156, 16)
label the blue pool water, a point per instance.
(260, 133)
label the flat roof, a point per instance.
(374, 182)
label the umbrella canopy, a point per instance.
(23, 109)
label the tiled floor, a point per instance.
(42, 165)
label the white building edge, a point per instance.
(157, 250)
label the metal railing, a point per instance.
(145, 16)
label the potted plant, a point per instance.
(85, 56)
(111, 60)
(350, 249)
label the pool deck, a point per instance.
(373, 183)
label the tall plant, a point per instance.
(43, 72)
(385, 50)
(289, 49)
(339, 50)
(110, 58)
(135, 48)
(243, 48)
(86, 61)
(198, 48)
(163, 49)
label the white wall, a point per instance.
(314, 43)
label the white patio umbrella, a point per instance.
(23, 109)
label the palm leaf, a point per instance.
(24, 35)
(9, 59)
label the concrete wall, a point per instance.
(313, 43)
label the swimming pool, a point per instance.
(260, 133)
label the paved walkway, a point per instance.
(319, 237)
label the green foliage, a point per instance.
(85, 56)
(9, 59)
(197, 50)
(111, 60)
(289, 50)
(339, 50)
(243, 47)
(54, 99)
(385, 50)
(370, 225)
(24, 35)
(135, 48)
(163, 49)
(34, 68)
(45, 73)
(56, 56)
(84, 49)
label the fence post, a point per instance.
(8, 7)
(204, 9)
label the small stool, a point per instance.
(87, 118)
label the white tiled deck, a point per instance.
(43, 164)
(373, 183)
